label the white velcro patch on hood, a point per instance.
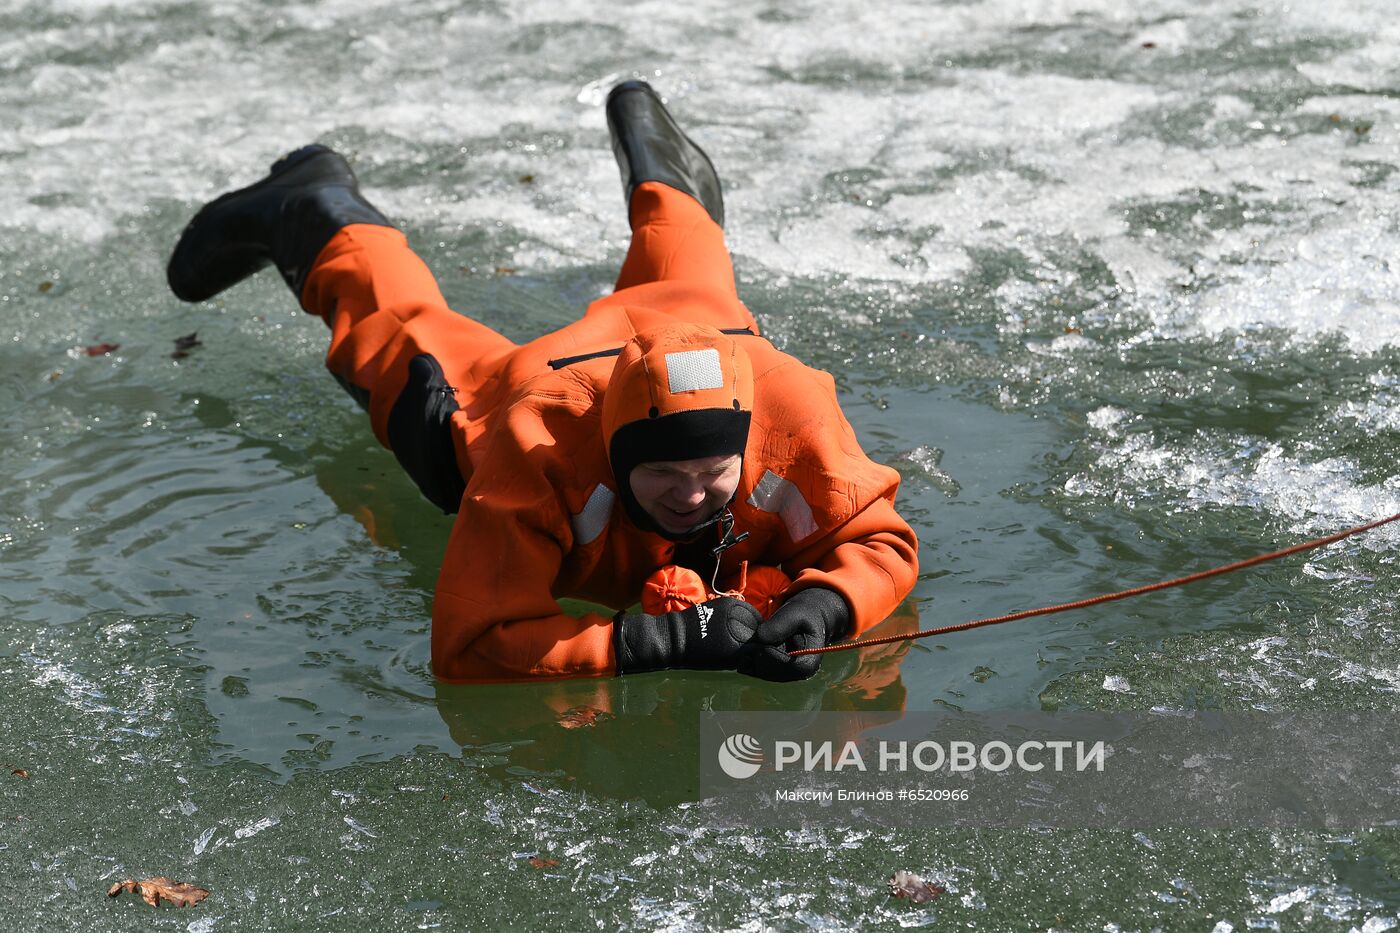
(775, 494)
(692, 370)
(589, 523)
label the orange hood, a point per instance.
(677, 392)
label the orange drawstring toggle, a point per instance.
(674, 588)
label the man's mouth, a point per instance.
(679, 521)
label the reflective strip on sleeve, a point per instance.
(775, 494)
(589, 523)
(692, 370)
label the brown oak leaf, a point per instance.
(906, 884)
(579, 716)
(154, 890)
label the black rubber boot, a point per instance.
(285, 219)
(650, 146)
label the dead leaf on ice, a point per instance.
(908, 885)
(183, 345)
(154, 890)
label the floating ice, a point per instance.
(203, 841)
(1317, 496)
(1285, 901)
(926, 461)
(1106, 417)
(252, 829)
(360, 827)
(1341, 278)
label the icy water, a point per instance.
(1113, 285)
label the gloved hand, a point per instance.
(810, 618)
(713, 636)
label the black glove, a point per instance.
(810, 618)
(712, 636)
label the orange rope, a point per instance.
(1108, 597)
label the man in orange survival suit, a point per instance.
(658, 429)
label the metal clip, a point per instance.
(726, 541)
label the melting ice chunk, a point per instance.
(252, 829)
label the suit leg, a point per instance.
(422, 371)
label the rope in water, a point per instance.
(1107, 597)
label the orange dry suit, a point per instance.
(516, 439)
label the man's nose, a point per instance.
(690, 491)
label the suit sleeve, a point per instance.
(495, 617)
(861, 547)
(872, 561)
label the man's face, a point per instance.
(680, 494)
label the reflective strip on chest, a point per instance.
(692, 370)
(775, 494)
(589, 523)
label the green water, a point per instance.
(1113, 288)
